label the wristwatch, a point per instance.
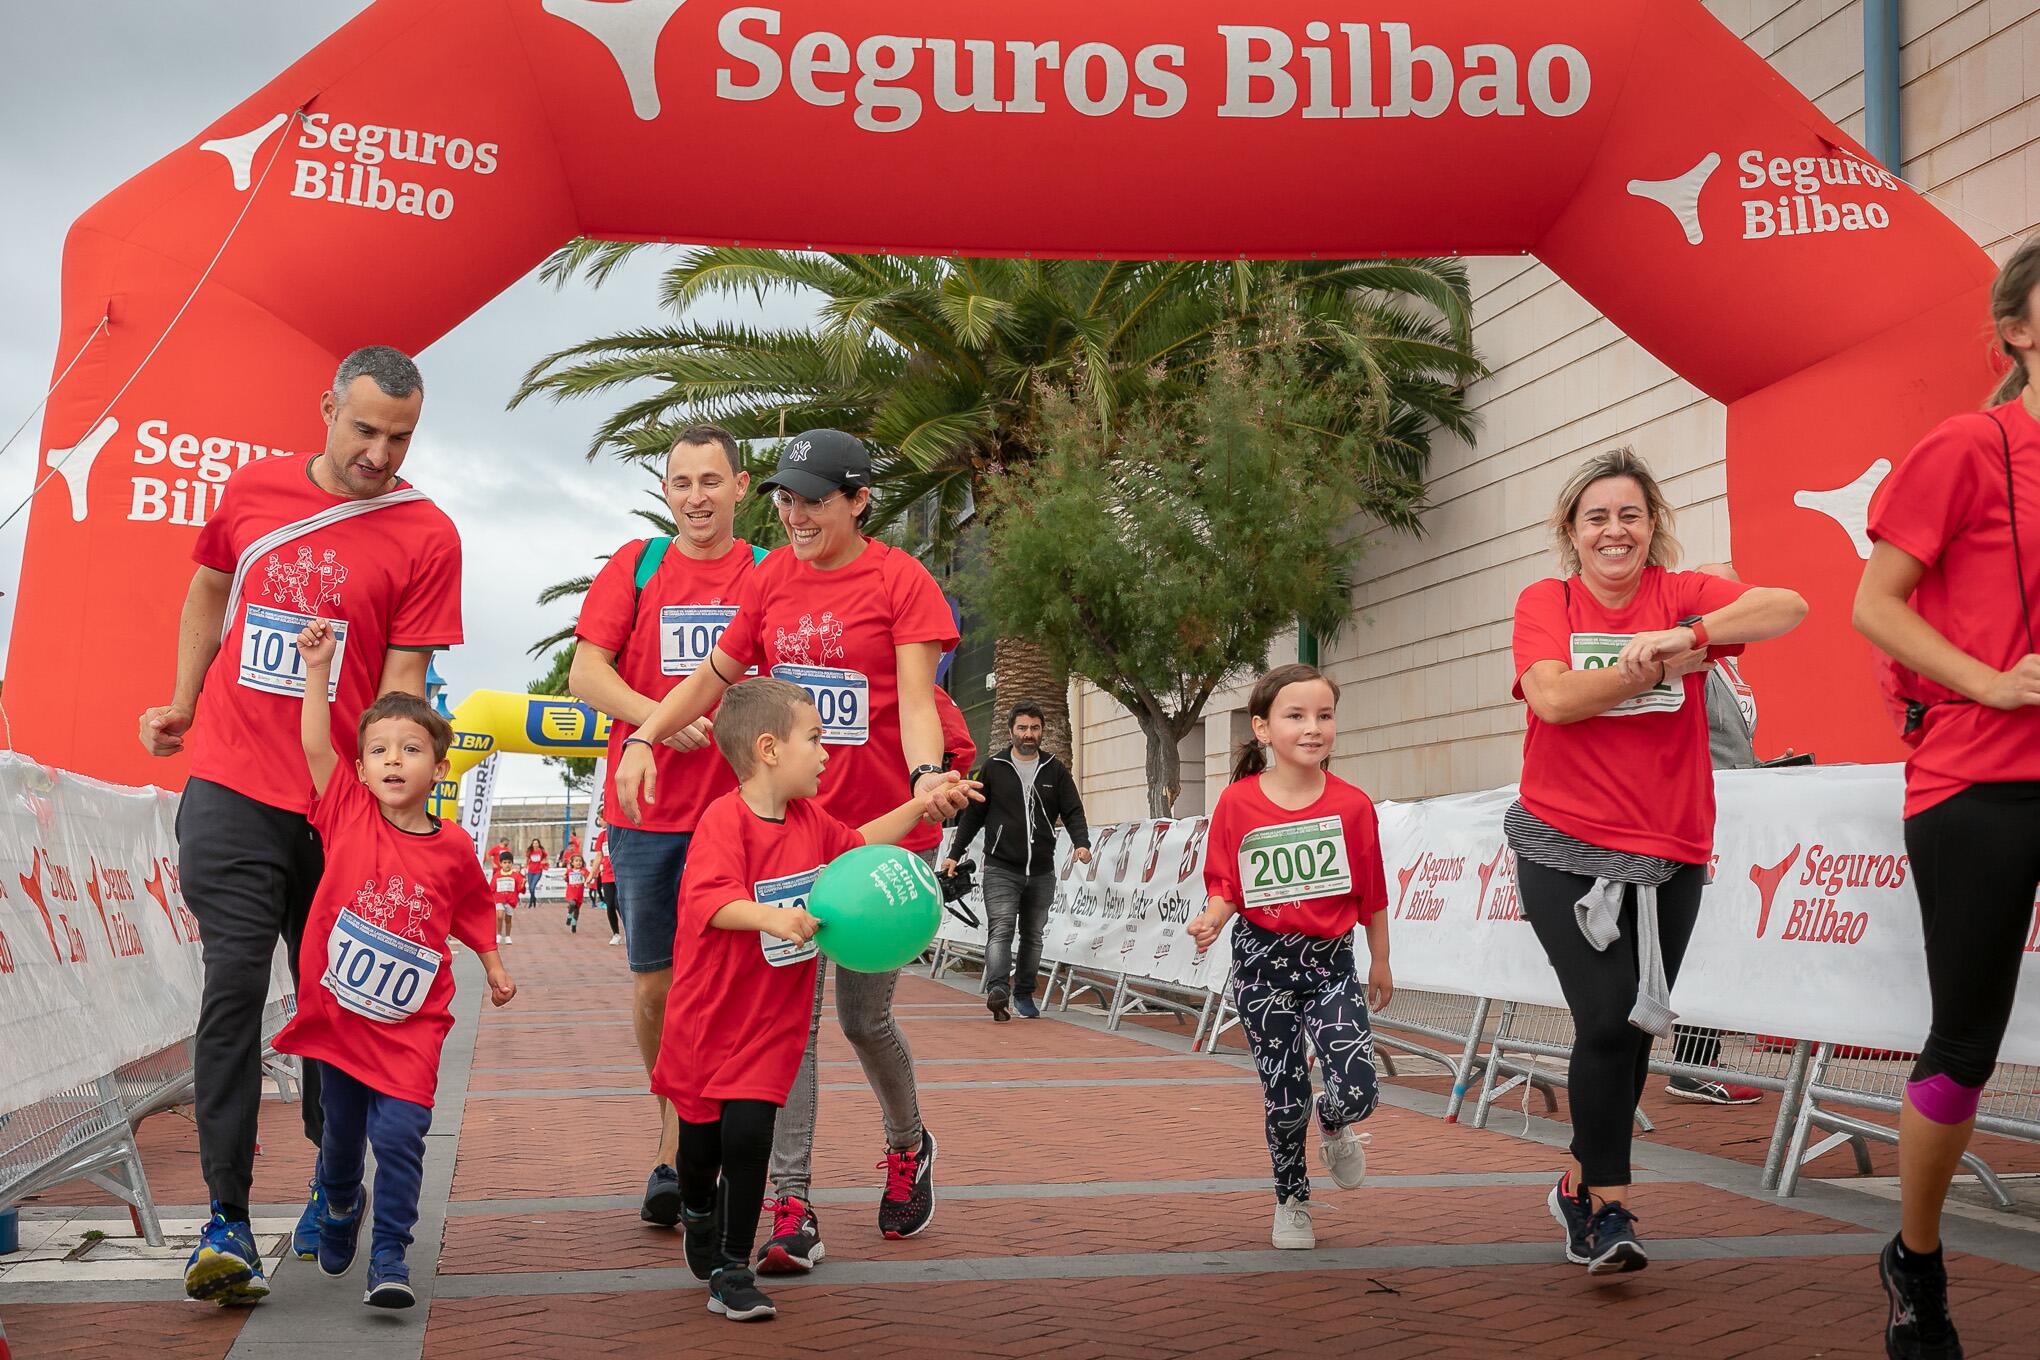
(1699, 631)
(914, 775)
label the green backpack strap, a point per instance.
(757, 554)
(649, 557)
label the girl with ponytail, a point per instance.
(1295, 852)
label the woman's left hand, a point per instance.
(1640, 658)
(945, 795)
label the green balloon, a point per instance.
(879, 907)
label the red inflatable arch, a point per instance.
(432, 151)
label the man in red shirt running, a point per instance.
(652, 616)
(341, 537)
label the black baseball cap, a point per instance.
(820, 462)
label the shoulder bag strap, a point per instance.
(276, 538)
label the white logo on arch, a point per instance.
(75, 463)
(1680, 195)
(630, 29)
(239, 152)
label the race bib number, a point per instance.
(688, 633)
(1294, 862)
(843, 698)
(1597, 651)
(270, 660)
(375, 974)
(788, 894)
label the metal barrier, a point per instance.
(1843, 1076)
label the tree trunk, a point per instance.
(1164, 764)
(1024, 671)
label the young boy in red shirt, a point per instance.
(503, 888)
(744, 973)
(397, 883)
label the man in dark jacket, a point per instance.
(1027, 791)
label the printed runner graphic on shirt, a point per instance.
(788, 893)
(1294, 862)
(302, 590)
(1597, 651)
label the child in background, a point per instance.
(744, 974)
(397, 883)
(1295, 851)
(504, 884)
(577, 888)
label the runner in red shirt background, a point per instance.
(338, 536)
(535, 862)
(576, 889)
(503, 891)
(860, 625)
(1616, 809)
(1948, 594)
(651, 616)
(398, 883)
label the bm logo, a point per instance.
(473, 741)
(563, 722)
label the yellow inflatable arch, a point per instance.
(493, 720)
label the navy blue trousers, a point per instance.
(357, 1117)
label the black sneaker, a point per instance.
(1612, 1245)
(909, 1201)
(996, 1000)
(1918, 1326)
(733, 1292)
(701, 1231)
(1575, 1213)
(662, 1197)
(796, 1242)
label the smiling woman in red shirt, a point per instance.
(1948, 595)
(1614, 821)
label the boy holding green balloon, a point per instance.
(744, 963)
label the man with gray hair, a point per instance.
(338, 536)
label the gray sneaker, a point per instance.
(1292, 1226)
(1346, 1156)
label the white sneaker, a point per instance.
(499, 938)
(1346, 1157)
(616, 939)
(1292, 1226)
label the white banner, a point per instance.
(477, 800)
(1809, 929)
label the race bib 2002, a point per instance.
(1294, 862)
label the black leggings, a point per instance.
(609, 905)
(722, 1167)
(1610, 1057)
(1976, 861)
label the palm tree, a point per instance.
(942, 364)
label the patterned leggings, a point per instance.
(1289, 988)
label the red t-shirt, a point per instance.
(534, 862)
(505, 889)
(390, 578)
(1637, 777)
(834, 633)
(605, 872)
(577, 885)
(376, 941)
(499, 848)
(962, 751)
(1263, 858)
(1945, 506)
(660, 636)
(737, 1016)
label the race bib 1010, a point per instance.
(688, 633)
(788, 893)
(1597, 651)
(377, 974)
(1294, 862)
(843, 698)
(270, 660)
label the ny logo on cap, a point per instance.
(797, 451)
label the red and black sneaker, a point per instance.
(909, 1201)
(796, 1241)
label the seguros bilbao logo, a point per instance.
(1428, 872)
(1826, 907)
(1782, 195)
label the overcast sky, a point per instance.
(96, 92)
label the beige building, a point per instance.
(1424, 663)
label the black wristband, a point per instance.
(914, 775)
(645, 742)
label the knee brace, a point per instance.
(1943, 1099)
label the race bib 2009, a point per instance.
(843, 698)
(789, 893)
(1294, 862)
(688, 633)
(377, 974)
(1597, 651)
(270, 660)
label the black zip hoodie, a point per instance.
(1019, 824)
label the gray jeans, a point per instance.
(1021, 900)
(864, 1003)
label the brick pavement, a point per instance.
(1122, 1211)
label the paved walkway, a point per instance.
(1100, 1195)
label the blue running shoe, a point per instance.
(1024, 1006)
(389, 1280)
(226, 1268)
(304, 1239)
(339, 1235)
